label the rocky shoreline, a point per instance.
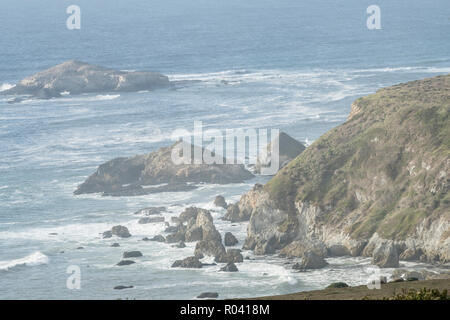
(376, 186)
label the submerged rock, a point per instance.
(208, 295)
(115, 245)
(151, 211)
(122, 287)
(78, 77)
(125, 262)
(147, 220)
(132, 254)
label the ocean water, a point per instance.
(290, 65)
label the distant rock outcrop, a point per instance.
(156, 172)
(78, 77)
(288, 148)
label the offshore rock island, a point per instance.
(76, 77)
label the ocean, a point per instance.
(290, 65)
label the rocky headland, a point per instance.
(375, 186)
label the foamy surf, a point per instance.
(6, 86)
(34, 259)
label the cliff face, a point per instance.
(380, 178)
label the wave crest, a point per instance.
(34, 259)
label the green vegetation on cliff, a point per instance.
(385, 170)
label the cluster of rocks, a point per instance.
(119, 231)
(196, 225)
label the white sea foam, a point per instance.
(6, 86)
(34, 259)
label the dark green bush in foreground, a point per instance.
(422, 294)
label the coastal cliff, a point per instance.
(377, 185)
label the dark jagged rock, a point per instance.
(219, 201)
(208, 295)
(125, 262)
(157, 172)
(230, 267)
(120, 231)
(230, 240)
(115, 245)
(189, 262)
(132, 254)
(78, 77)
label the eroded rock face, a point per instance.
(269, 229)
(385, 255)
(297, 249)
(78, 77)
(157, 172)
(242, 210)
